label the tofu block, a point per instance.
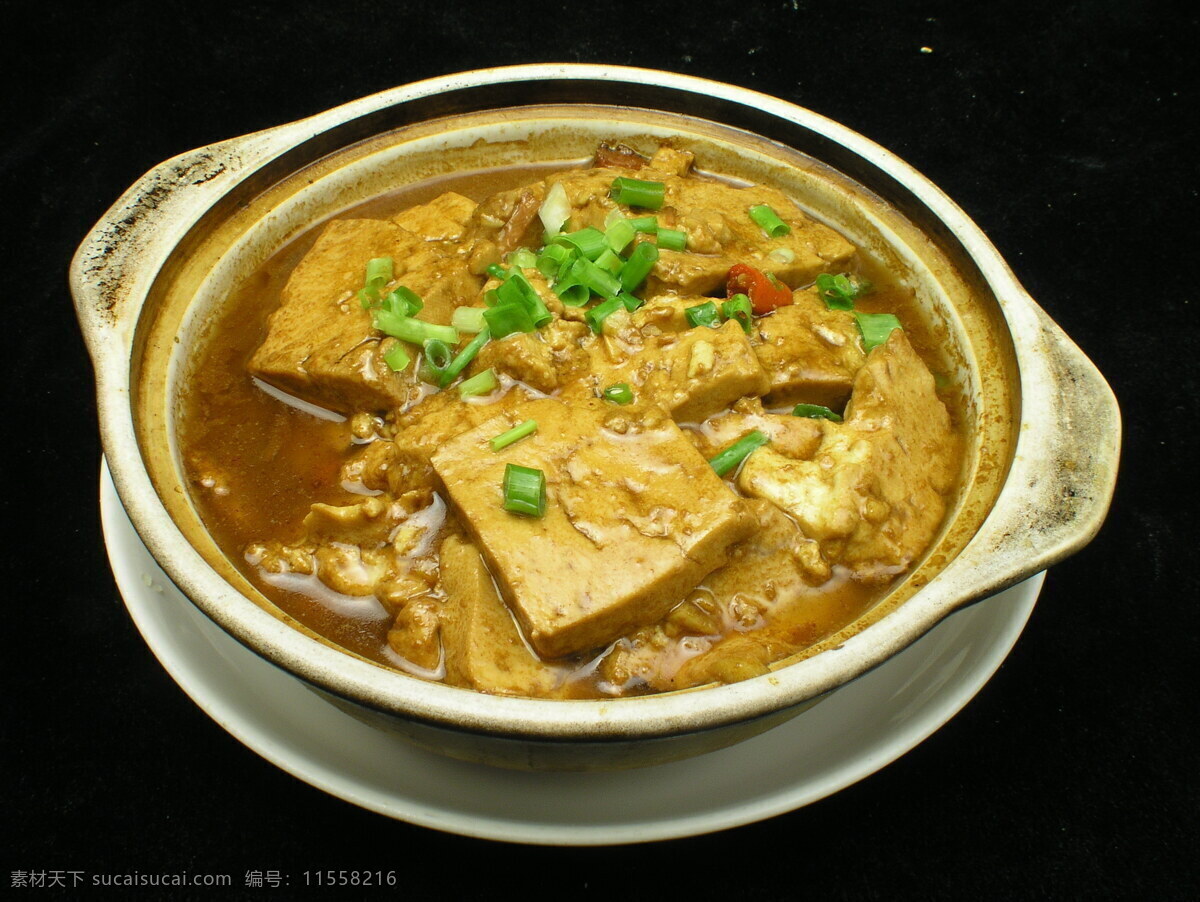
(444, 218)
(484, 648)
(811, 353)
(693, 374)
(320, 345)
(635, 518)
(874, 494)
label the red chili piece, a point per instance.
(765, 292)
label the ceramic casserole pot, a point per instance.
(1043, 427)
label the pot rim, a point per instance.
(1067, 412)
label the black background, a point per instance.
(1066, 130)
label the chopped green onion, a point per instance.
(437, 357)
(555, 209)
(524, 490)
(504, 439)
(396, 357)
(553, 260)
(480, 384)
(672, 239)
(519, 290)
(468, 319)
(782, 255)
(505, 319)
(572, 294)
(739, 308)
(703, 315)
(841, 291)
(875, 328)
(647, 224)
(638, 193)
(620, 393)
(598, 314)
(618, 235)
(610, 261)
(496, 271)
(631, 303)
(768, 220)
(408, 328)
(600, 281)
(816, 412)
(522, 258)
(404, 301)
(589, 242)
(732, 456)
(379, 273)
(638, 266)
(464, 357)
(491, 297)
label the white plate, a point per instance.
(859, 729)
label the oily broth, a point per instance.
(254, 465)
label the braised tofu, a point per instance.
(693, 373)
(874, 493)
(320, 345)
(484, 648)
(811, 353)
(635, 518)
(444, 218)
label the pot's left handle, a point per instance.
(117, 261)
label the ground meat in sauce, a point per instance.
(648, 571)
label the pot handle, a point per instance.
(1062, 478)
(116, 263)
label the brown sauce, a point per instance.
(256, 464)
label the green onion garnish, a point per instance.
(589, 242)
(496, 271)
(600, 281)
(505, 319)
(468, 319)
(631, 303)
(553, 259)
(404, 301)
(408, 328)
(816, 412)
(738, 307)
(618, 235)
(464, 357)
(620, 393)
(522, 258)
(379, 273)
(504, 439)
(647, 224)
(638, 266)
(524, 490)
(841, 291)
(610, 261)
(703, 315)
(738, 452)
(638, 193)
(672, 239)
(438, 356)
(396, 357)
(519, 290)
(572, 294)
(875, 328)
(768, 220)
(480, 384)
(598, 314)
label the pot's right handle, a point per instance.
(1064, 471)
